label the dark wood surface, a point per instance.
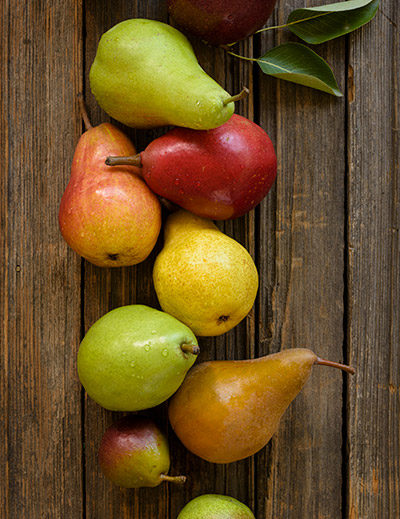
(325, 240)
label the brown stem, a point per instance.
(84, 114)
(322, 362)
(241, 95)
(131, 160)
(169, 206)
(190, 348)
(173, 479)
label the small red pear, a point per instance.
(134, 453)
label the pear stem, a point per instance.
(241, 95)
(190, 348)
(131, 160)
(343, 367)
(173, 479)
(169, 206)
(84, 114)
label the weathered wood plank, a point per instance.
(301, 240)
(4, 233)
(373, 268)
(235, 479)
(312, 291)
(40, 303)
(105, 289)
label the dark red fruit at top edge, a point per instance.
(219, 174)
(220, 22)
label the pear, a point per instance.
(107, 215)
(218, 174)
(215, 506)
(134, 453)
(220, 22)
(145, 74)
(135, 357)
(202, 277)
(228, 410)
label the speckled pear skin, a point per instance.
(131, 358)
(107, 214)
(226, 411)
(145, 74)
(202, 277)
(134, 453)
(215, 506)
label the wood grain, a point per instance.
(105, 289)
(325, 241)
(41, 424)
(373, 268)
(301, 242)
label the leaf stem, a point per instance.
(240, 57)
(272, 27)
(293, 23)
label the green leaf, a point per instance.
(326, 22)
(297, 63)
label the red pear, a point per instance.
(134, 453)
(108, 215)
(220, 22)
(219, 174)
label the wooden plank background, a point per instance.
(325, 240)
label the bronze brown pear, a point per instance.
(228, 410)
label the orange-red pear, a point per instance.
(108, 215)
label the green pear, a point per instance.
(215, 506)
(202, 277)
(135, 357)
(134, 453)
(145, 74)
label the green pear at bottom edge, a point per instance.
(146, 74)
(215, 506)
(135, 357)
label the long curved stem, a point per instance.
(343, 367)
(84, 114)
(131, 160)
(173, 479)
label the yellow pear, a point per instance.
(202, 277)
